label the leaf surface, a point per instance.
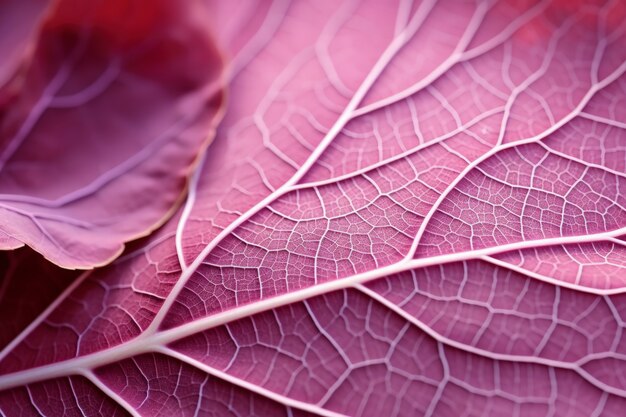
(409, 209)
(96, 146)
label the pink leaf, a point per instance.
(96, 148)
(409, 209)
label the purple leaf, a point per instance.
(96, 147)
(408, 210)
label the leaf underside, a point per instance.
(409, 208)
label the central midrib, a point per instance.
(152, 341)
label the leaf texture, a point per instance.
(97, 144)
(410, 209)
